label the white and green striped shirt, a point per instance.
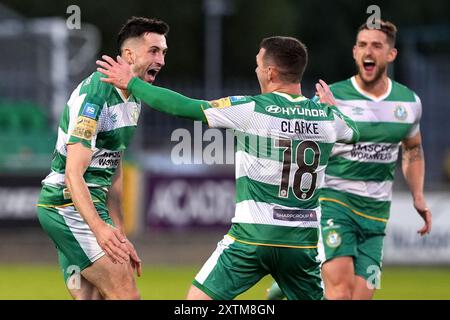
(363, 173)
(102, 119)
(283, 146)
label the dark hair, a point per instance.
(289, 55)
(137, 26)
(387, 27)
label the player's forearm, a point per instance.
(82, 199)
(413, 166)
(167, 101)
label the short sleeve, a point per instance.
(232, 112)
(85, 106)
(415, 128)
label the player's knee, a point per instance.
(96, 295)
(86, 292)
(122, 289)
(82, 295)
(78, 295)
(127, 291)
(341, 292)
(130, 294)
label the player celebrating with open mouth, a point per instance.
(80, 203)
(275, 227)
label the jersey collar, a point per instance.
(122, 96)
(368, 95)
(289, 97)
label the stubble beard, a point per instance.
(372, 82)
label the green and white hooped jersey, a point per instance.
(283, 146)
(363, 173)
(102, 119)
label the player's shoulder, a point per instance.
(287, 100)
(328, 111)
(93, 85)
(236, 100)
(279, 98)
(344, 89)
(230, 101)
(331, 111)
(341, 84)
(400, 92)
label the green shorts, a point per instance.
(75, 243)
(234, 267)
(345, 233)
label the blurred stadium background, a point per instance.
(175, 214)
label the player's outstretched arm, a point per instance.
(413, 167)
(119, 74)
(168, 101)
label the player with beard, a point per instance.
(80, 203)
(357, 195)
(283, 141)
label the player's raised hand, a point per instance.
(112, 242)
(324, 93)
(425, 213)
(118, 72)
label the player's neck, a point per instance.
(377, 88)
(125, 93)
(291, 88)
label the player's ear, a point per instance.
(128, 55)
(392, 54)
(271, 73)
(354, 52)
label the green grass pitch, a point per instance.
(163, 283)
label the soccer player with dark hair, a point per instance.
(357, 193)
(284, 141)
(80, 203)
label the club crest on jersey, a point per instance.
(90, 110)
(221, 103)
(400, 112)
(333, 239)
